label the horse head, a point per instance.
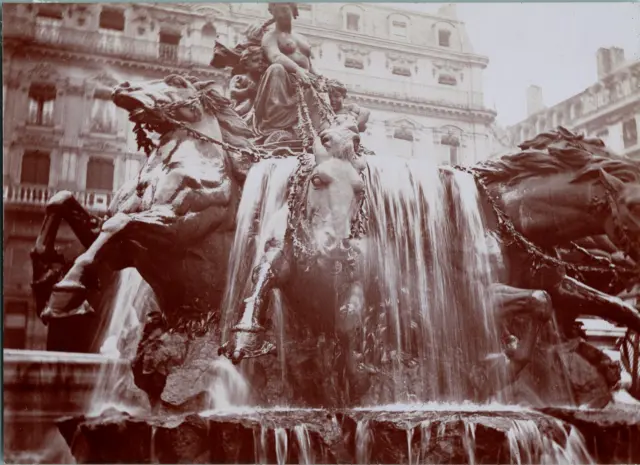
(162, 103)
(336, 189)
(623, 226)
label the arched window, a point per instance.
(209, 33)
(35, 168)
(100, 174)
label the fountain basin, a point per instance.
(410, 435)
(39, 388)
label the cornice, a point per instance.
(44, 51)
(375, 43)
(414, 106)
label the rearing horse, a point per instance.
(562, 188)
(174, 223)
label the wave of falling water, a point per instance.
(430, 255)
(133, 297)
(258, 218)
(527, 442)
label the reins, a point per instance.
(540, 258)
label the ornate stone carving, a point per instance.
(105, 79)
(101, 145)
(39, 139)
(448, 72)
(354, 56)
(42, 71)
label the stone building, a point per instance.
(608, 109)
(417, 73)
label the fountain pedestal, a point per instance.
(468, 434)
(40, 388)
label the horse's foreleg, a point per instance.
(48, 264)
(116, 248)
(580, 299)
(352, 309)
(512, 302)
(248, 332)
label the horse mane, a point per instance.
(556, 152)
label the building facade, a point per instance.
(609, 109)
(416, 73)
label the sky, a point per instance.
(551, 45)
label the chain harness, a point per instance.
(540, 258)
(296, 234)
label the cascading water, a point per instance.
(263, 197)
(133, 297)
(430, 255)
(548, 440)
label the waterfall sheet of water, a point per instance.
(131, 299)
(431, 259)
(260, 216)
(527, 442)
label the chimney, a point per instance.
(535, 103)
(448, 10)
(609, 59)
(617, 58)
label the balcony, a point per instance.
(31, 196)
(98, 42)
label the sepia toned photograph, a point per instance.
(321, 233)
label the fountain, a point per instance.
(372, 309)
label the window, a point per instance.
(103, 113)
(452, 141)
(399, 29)
(444, 38)
(100, 174)
(50, 11)
(35, 168)
(112, 19)
(209, 33)
(603, 135)
(403, 141)
(41, 102)
(15, 325)
(169, 46)
(629, 133)
(447, 79)
(403, 134)
(353, 22)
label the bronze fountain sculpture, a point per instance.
(175, 224)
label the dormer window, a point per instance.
(112, 19)
(444, 38)
(353, 22)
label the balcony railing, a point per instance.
(98, 42)
(38, 196)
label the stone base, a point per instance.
(475, 435)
